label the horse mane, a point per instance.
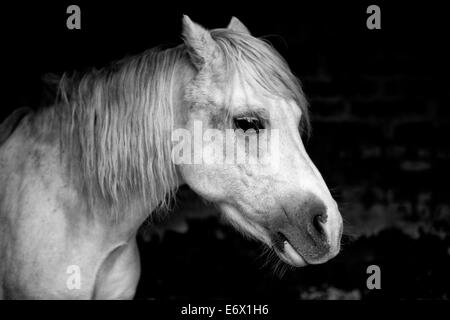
(117, 124)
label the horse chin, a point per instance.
(290, 256)
(287, 253)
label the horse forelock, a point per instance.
(117, 123)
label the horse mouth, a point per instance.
(286, 251)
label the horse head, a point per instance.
(238, 83)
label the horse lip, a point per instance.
(293, 255)
(286, 251)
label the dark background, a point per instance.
(380, 111)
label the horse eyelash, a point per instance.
(263, 119)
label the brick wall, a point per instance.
(380, 136)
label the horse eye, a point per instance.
(247, 123)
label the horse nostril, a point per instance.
(317, 218)
(318, 222)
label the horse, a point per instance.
(80, 176)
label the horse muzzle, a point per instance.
(309, 236)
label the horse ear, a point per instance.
(236, 25)
(199, 42)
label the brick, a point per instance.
(442, 135)
(416, 134)
(305, 64)
(321, 107)
(412, 64)
(378, 65)
(359, 86)
(350, 147)
(388, 108)
(348, 133)
(443, 107)
(410, 87)
(320, 88)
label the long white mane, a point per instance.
(117, 123)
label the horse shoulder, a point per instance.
(40, 242)
(47, 236)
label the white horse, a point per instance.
(78, 178)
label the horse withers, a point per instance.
(78, 178)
